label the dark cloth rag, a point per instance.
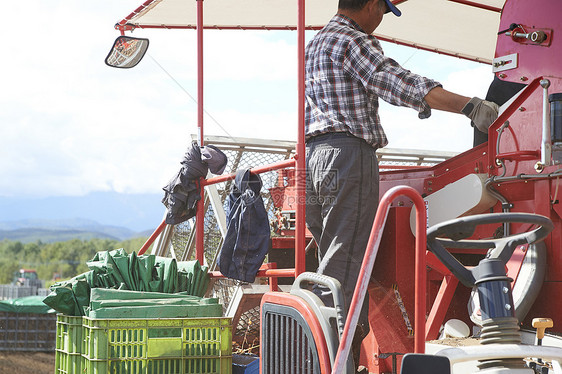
(182, 192)
(247, 238)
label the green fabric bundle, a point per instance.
(70, 297)
(27, 304)
(111, 303)
(118, 271)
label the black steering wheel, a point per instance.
(453, 234)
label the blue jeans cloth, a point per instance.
(247, 237)
(342, 193)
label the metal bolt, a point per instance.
(505, 290)
(538, 37)
(522, 109)
(507, 307)
(539, 167)
(502, 75)
(523, 79)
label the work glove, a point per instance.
(482, 113)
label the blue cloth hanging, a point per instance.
(247, 238)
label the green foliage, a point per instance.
(133, 245)
(65, 259)
(8, 267)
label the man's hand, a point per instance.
(483, 113)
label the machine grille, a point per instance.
(287, 345)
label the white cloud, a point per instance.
(70, 124)
(242, 55)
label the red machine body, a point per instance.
(516, 163)
(524, 183)
(512, 156)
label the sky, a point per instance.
(71, 125)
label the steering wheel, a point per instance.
(453, 234)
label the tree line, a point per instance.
(60, 259)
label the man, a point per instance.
(346, 74)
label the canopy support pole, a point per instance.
(200, 218)
(300, 173)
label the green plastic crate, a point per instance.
(157, 346)
(68, 354)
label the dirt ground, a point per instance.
(27, 363)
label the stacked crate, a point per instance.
(156, 346)
(30, 332)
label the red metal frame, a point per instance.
(152, 238)
(263, 272)
(518, 150)
(124, 25)
(299, 159)
(199, 222)
(367, 267)
(477, 5)
(219, 179)
(298, 162)
(509, 111)
(443, 298)
(300, 172)
(257, 170)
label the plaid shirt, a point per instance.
(346, 73)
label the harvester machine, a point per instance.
(463, 270)
(492, 274)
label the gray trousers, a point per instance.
(342, 195)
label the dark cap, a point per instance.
(392, 8)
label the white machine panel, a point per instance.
(463, 197)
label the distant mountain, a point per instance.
(136, 212)
(50, 236)
(62, 230)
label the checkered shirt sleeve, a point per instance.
(346, 73)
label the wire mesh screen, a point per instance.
(246, 335)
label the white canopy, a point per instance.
(463, 28)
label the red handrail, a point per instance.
(262, 273)
(152, 238)
(367, 267)
(257, 170)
